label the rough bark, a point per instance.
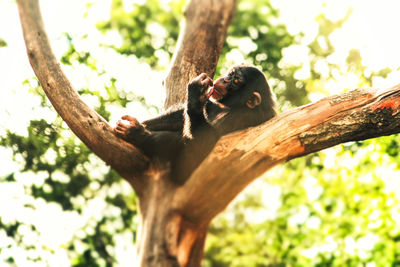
(167, 238)
(175, 218)
(199, 45)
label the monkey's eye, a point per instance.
(236, 81)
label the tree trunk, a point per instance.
(167, 238)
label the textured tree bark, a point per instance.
(167, 237)
(175, 218)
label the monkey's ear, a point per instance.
(254, 100)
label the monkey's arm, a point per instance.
(196, 100)
(169, 121)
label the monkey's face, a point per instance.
(231, 82)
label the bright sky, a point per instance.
(372, 28)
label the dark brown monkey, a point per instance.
(184, 137)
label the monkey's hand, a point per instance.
(197, 91)
(134, 132)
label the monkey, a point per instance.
(184, 137)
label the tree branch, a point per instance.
(90, 127)
(199, 45)
(241, 157)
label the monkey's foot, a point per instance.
(130, 132)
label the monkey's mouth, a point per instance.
(218, 91)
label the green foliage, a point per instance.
(111, 94)
(253, 19)
(148, 28)
(3, 43)
(321, 48)
(73, 55)
(97, 248)
(335, 213)
(66, 173)
(67, 166)
(256, 35)
(326, 28)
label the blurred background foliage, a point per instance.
(2, 43)
(338, 207)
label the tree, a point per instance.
(175, 218)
